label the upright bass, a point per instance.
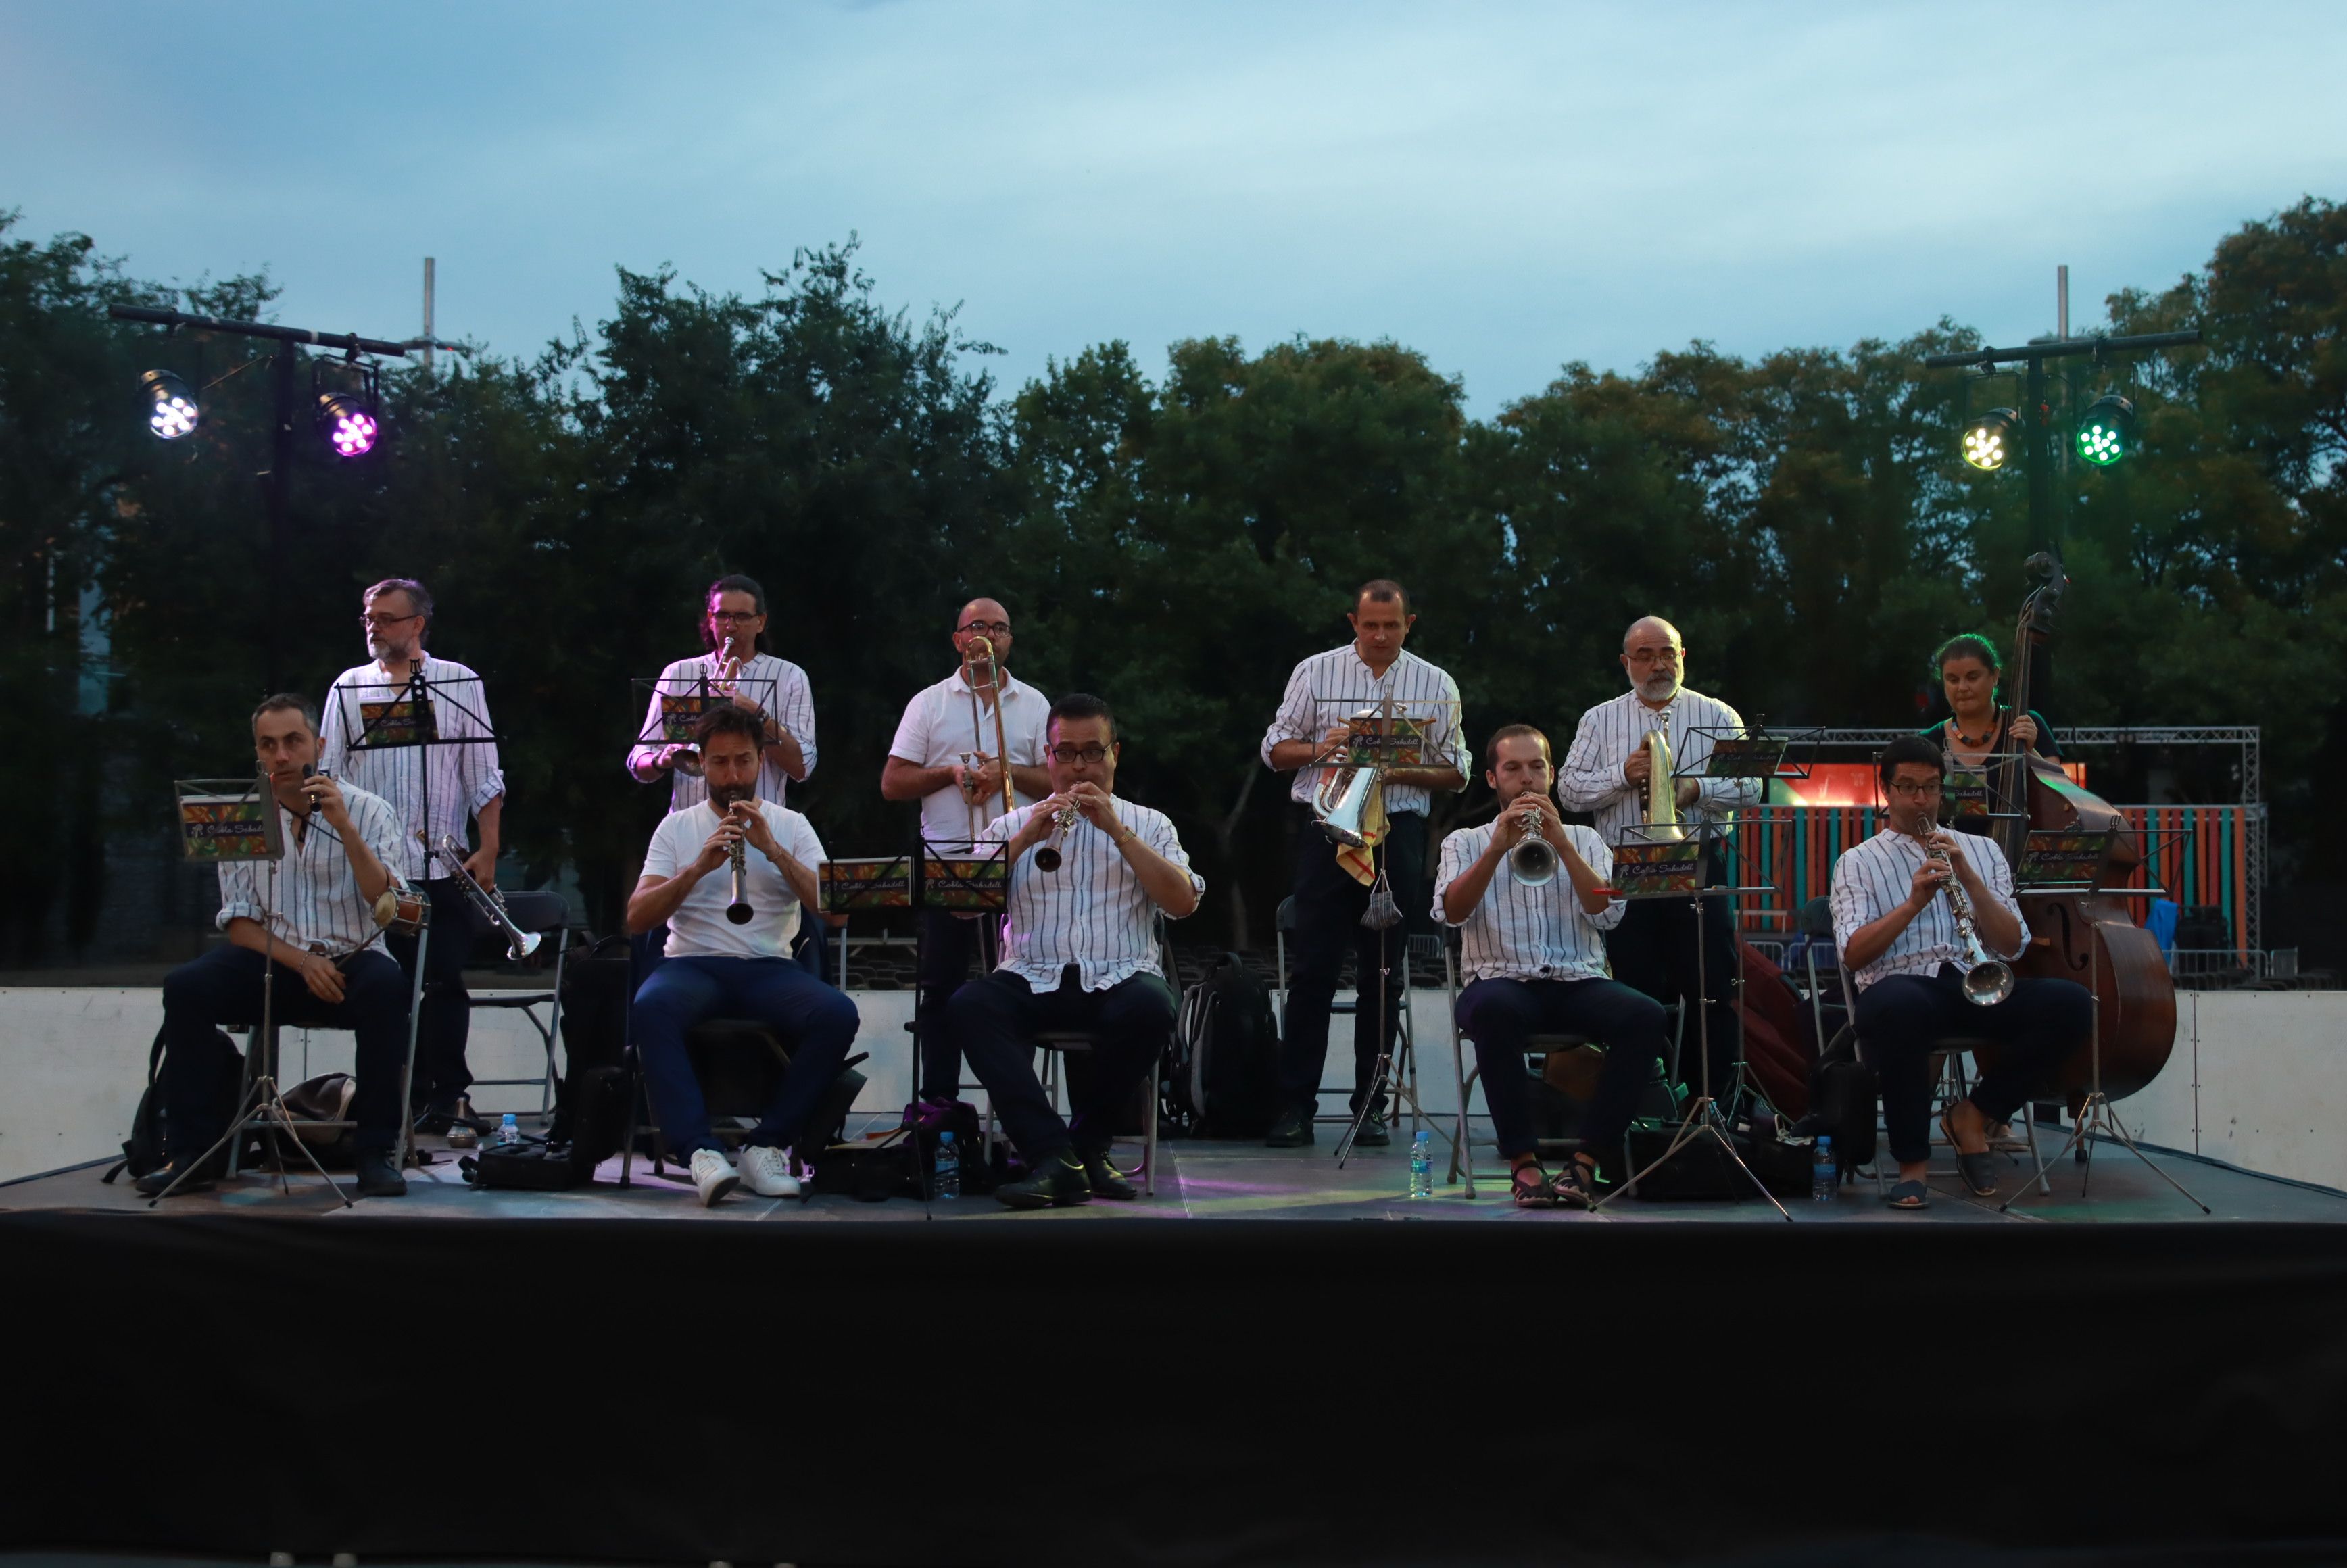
(2081, 936)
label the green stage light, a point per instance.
(1989, 440)
(2106, 433)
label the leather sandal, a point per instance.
(1978, 1171)
(1531, 1187)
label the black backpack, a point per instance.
(1842, 1095)
(1222, 1076)
(143, 1150)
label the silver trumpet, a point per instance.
(1533, 859)
(485, 899)
(739, 910)
(1990, 979)
(1342, 801)
(1048, 857)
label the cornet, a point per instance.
(1533, 859)
(1990, 979)
(1047, 858)
(485, 899)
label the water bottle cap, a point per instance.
(945, 1137)
(1824, 1142)
(509, 1119)
(1423, 1136)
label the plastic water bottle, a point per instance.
(508, 1130)
(947, 1180)
(1825, 1175)
(1421, 1164)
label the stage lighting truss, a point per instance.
(1991, 439)
(2106, 430)
(170, 405)
(347, 416)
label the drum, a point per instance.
(402, 909)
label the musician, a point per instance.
(946, 756)
(1079, 952)
(433, 789)
(341, 843)
(716, 968)
(737, 666)
(1901, 947)
(1331, 891)
(1605, 772)
(1979, 726)
(1535, 964)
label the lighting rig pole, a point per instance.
(354, 420)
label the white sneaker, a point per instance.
(768, 1172)
(712, 1175)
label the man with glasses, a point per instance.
(433, 790)
(944, 755)
(1900, 948)
(772, 691)
(1655, 948)
(1079, 952)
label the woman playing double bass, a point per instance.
(1979, 726)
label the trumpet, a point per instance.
(1662, 789)
(724, 683)
(739, 910)
(1532, 861)
(1047, 858)
(485, 899)
(1990, 979)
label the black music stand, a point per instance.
(962, 876)
(671, 712)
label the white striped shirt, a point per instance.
(1589, 778)
(775, 684)
(463, 778)
(1092, 912)
(1520, 933)
(1872, 879)
(1329, 688)
(936, 730)
(313, 900)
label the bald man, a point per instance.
(945, 757)
(1654, 948)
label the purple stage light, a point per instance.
(348, 424)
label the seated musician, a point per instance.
(1901, 946)
(340, 843)
(716, 968)
(1979, 726)
(1079, 952)
(1535, 964)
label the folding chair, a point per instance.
(542, 912)
(1404, 1076)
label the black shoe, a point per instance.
(437, 1117)
(1106, 1181)
(1292, 1130)
(1373, 1133)
(153, 1183)
(1058, 1182)
(377, 1171)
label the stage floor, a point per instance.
(1237, 1181)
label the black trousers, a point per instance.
(995, 1021)
(1501, 1016)
(948, 947)
(1655, 950)
(1328, 905)
(446, 1025)
(203, 1071)
(1899, 1018)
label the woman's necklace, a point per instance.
(1974, 742)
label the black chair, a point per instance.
(548, 914)
(740, 1064)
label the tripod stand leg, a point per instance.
(2111, 1118)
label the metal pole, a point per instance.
(280, 501)
(427, 314)
(2061, 302)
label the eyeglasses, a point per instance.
(379, 621)
(1654, 656)
(1906, 789)
(736, 617)
(1073, 754)
(987, 628)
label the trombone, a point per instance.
(981, 647)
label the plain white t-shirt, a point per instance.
(699, 927)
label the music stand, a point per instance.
(225, 822)
(2064, 860)
(968, 877)
(671, 712)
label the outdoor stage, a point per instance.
(612, 1376)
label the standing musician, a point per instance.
(340, 845)
(733, 631)
(1903, 946)
(461, 781)
(947, 755)
(704, 864)
(1088, 873)
(1535, 964)
(1979, 726)
(1606, 772)
(1331, 897)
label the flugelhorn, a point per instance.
(1342, 801)
(1662, 789)
(1047, 858)
(1532, 861)
(485, 899)
(1990, 979)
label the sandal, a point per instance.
(1533, 1189)
(1575, 1184)
(1978, 1171)
(1908, 1196)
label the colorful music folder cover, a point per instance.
(400, 723)
(229, 827)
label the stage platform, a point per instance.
(1237, 1370)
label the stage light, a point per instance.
(2106, 433)
(347, 423)
(172, 408)
(1990, 439)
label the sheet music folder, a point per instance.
(223, 820)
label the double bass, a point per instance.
(2083, 936)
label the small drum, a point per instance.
(402, 909)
